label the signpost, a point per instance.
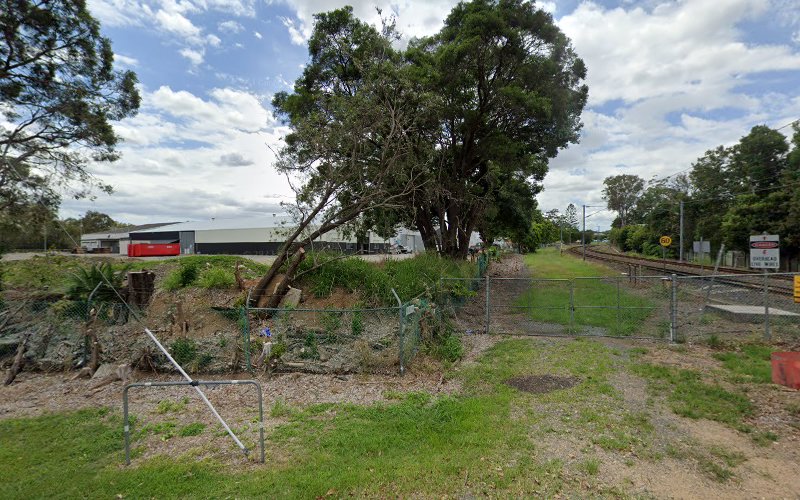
(664, 241)
(765, 253)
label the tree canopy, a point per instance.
(456, 130)
(621, 193)
(59, 93)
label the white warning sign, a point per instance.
(765, 252)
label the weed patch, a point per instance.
(750, 364)
(690, 397)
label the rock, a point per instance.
(291, 299)
(105, 370)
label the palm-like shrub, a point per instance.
(101, 279)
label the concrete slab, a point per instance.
(750, 314)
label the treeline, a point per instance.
(729, 194)
(37, 229)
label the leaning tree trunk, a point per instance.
(271, 300)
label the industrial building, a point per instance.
(114, 240)
(248, 236)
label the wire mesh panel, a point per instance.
(739, 305)
(55, 331)
(324, 340)
(463, 300)
(529, 306)
(620, 307)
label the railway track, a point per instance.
(781, 284)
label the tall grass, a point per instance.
(600, 302)
(414, 277)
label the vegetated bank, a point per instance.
(198, 310)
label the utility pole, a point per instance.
(680, 250)
(583, 233)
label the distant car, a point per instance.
(397, 249)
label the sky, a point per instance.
(668, 80)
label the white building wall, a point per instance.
(238, 235)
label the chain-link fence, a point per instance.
(755, 305)
(56, 333)
(674, 308)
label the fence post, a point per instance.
(619, 323)
(402, 346)
(487, 303)
(244, 311)
(673, 327)
(767, 333)
(571, 304)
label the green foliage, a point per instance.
(690, 397)
(184, 351)
(621, 192)
(447, 348)
(357, 323)
(102, 279)
(169, 406)
(59, 93)
(331, 322)
(184, 276)
(310, 347)
(750, 364)
(193, 429)
(216, 278)
(412, 277)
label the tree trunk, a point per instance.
(19, 360)
(271, 300)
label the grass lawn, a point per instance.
(481, 442)
(488, 440)
(595, 301)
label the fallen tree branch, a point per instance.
(19, 360)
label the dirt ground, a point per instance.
(673, 467)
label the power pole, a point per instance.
(680, 250)
(583, 233)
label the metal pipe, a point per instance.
(674, 310)
(193, 383)
(767, 333)
(487, 303)
(402, 343)
(199, 392)
(680, 251)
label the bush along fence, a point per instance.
(668, 307)
(342, 340)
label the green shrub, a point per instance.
(310, 347)
(101, 281)
(193, 429)
(184, 351)
(184, 276)
(216, 277)
(448, 348)
(357, 324)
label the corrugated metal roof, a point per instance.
(272, 221)
(122, 232)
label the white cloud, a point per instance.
(194, 56)
(213, 150)
(414, 18)
(678, 47)
(672, 67)
(230, 27)
(213, 40)
(295, 35)
(130, 62)
(257, 35)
